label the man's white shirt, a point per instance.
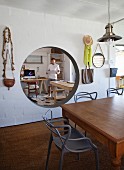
(53, 70)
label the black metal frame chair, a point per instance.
(80, 95)
(67, 139)
(118, 91)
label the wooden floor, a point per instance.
(24, 147)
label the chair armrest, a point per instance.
(83, 138)
(63, 126)
(59, 120)
(77, 139)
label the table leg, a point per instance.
(45, 87)
(54, 93)
(116, 162)
(41, 86)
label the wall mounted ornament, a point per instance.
(8, 63)
(87, 73)
(88, 41)
(98, 57)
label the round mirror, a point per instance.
(49, 76)
(98, 60)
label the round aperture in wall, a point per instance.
(41, 81)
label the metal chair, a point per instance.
(67, 139)
(118, 91)
(81, 95)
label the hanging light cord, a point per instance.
(108, 11)
(109, 15)
(117, 21)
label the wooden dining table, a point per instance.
(104, 120)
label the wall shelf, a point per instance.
(34, 59)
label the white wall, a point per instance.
(45, 53)
(31, 31)
(69, 71)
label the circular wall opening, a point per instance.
(49, 83)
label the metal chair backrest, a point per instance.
(80, 95)
(118, 91)
(57, 130)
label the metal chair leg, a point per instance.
(61, 160)
(78, 156)
(48, 154)
(97, 159)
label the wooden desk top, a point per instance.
(34, 79)
(104, 115)
(63, 85)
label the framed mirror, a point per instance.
(98, 60)
(36, 80)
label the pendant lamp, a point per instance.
(109, 35)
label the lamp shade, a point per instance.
(109, 34)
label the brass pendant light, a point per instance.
(109, 35)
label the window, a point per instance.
(119, 59)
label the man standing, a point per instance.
(53, 70)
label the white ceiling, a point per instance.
(95, 10)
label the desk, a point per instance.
(61, 85)
(104, 119)
(41, 80)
